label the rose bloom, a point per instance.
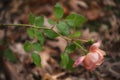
(93, 59)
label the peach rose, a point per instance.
(93, 59)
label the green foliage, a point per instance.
(52, 22)
(78, 44)
(76, 34)
(8, 54)
(32, 18)
(50, 33)
(65, 60)
(37, 30)
(39, 21)
(27, 46)
(36, 59)
(75, 20)
(30, 32)
(58, 11)
(70, 65)
(37, 46)
(63, 28)
(70, 48)
(90, 41)
(39, 36)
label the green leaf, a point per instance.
(63, 28)
(39, 21)
(31, 18)
(36, 59)
(52, 22)
(65, 60)
(58, 11)
(37, 46)
(30, 32)
(50, 33)
(78, 44)
(27, 46)
(76, 34)
(39, 36)
(70, 48)
(90, 41)
(75, 20)
(10, 56)
(70, 65)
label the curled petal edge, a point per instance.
(78, 61)
(95, 46)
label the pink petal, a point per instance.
(101, 52)
(101, 55)
(95, 46)
(78, 61)
(91, 58)
(91, 67)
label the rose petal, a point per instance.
(101, 52)
(95, 46)
(93, 59)
(101, 55)
(78, 61)
(91, 67)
